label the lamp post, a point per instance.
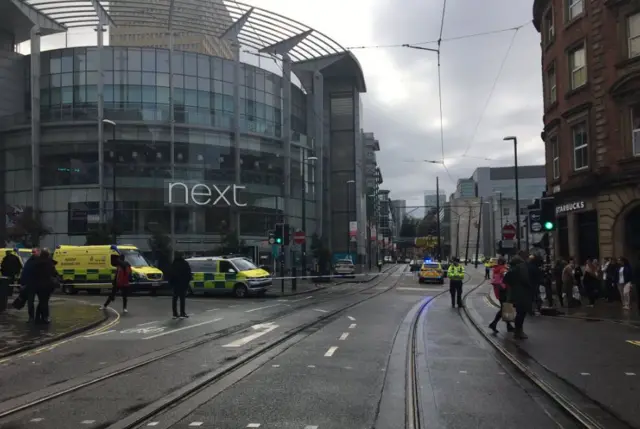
(113, 183)
(515, 172)
(304, 212)
(349, 182)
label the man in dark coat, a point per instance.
(180, 276)
(44, 279)
(519, 292)
(29, 283)
(10, 268)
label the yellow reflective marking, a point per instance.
(634, 342)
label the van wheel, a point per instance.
(69, 289)
(240, 291)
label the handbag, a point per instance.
(508, 312)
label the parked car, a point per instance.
(345, 268)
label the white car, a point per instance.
(345, 267)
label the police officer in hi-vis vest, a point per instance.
(456, 276)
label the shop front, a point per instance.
(577, 228)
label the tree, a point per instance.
(428, 226)
(408, 227)
(230, 240)
(27, 229)
(160, 245)
(98, 236)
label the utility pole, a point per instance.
(478, 236)
(439, 253)
(458, 239)
(466, 255)
(515, 173)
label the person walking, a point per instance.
(29, 284)
(10, 268)
(519, 293)
(46, 281)
(591, 282)
(121, 283)
(501, 293)
(558, 270)
(456, 276)
(180, 276)
(624, 281)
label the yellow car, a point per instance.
(235, 275)
(431, 272)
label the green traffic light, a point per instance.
(278, 240)
(548, 225)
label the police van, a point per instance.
(91, 268)
(220, 274)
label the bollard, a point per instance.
(294, 280)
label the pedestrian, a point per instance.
(577, 276)
(46, 281)
(456, 276)
(519, 293)
(625, 279)
(609, 274)
(501, 293)
(10, 268)
(29, 284)
(121, 283)
(591, 282)
(535, 280)
(180, 276)
(487, 269)
(557, 276)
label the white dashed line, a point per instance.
(330, 352)
(629, 373)
(261, 308)
(300, 299)
(148, 323)
(37, 420)
(99, 333)
(351, 318)
(344, 336)
(347, 367)
(196, 423)
(352, 326)
(212, 309)
(321, 311)
(501, 373)
(463, 372)
(88, 422)
(182, 329)
(310, 427)
(153, 423)
(311, 366)
(276, 366)
(253, 425)
(584, 373)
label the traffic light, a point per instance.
(285, 238)
(548, 213)
(272, 238)
(279, 236)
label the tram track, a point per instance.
(15, 406)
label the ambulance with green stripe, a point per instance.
(220, 274)
(91, 268)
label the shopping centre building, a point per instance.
(182, 141)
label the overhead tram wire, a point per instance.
(444, 9)
(493, 87)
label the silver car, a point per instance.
(345, 267)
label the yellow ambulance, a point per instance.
(91, 268)
(220, 274)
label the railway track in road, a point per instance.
(240, 367)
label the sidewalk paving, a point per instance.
(68, 317)
(599, 360)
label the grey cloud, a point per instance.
(468, 68)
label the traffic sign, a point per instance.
(536, 227)
(508, 232)
(535, 223)
(299, 237)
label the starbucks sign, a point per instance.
(564, 208)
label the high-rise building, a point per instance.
(145, 36)
(466, 188)
(400, 211)
(431, 199)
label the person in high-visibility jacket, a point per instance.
(456, 276)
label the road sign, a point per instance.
(535, 224)
(536, 227)
(508, 232)
(298, 237)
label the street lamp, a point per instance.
(113, 172)
(304, 211)
(349, 182)
(515, 162)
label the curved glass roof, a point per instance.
(260, 30)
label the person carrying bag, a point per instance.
(506, 311)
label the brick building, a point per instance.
(591, 81)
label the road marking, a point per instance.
(352, 326)
(37, 420)
(321, 311)
(183, 328)
(100, 333)
(635, 343)
(145, 331)
(351, 318)
(629, 373)
(344, 336)
(148, 323)
(234, 305)
(276, 366)
(265, 328)
(501, 373)
(88, 422)
(310, 427)
(463, 372)
(584, 373)
(421, 289)
(253, 425)
(283, 300)
(261, 308)
(301, 299)
(331, 351)
(196, 423)
(153, 423)
(212, 309)
(311, 366)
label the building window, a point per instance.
(505, 211)
(551, 85)
(579, 135)
(635, 129)
(578, 67)
(633, 26)
(555, 157)
(574, 8)
(549, 30)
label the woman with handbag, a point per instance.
(500, 292)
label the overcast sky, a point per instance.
(401, 105)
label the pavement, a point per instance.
(595, 362)
(68, 317)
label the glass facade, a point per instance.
(137, 152)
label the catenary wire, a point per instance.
(493, 87)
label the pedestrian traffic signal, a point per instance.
(548, 213)
(279, 236)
